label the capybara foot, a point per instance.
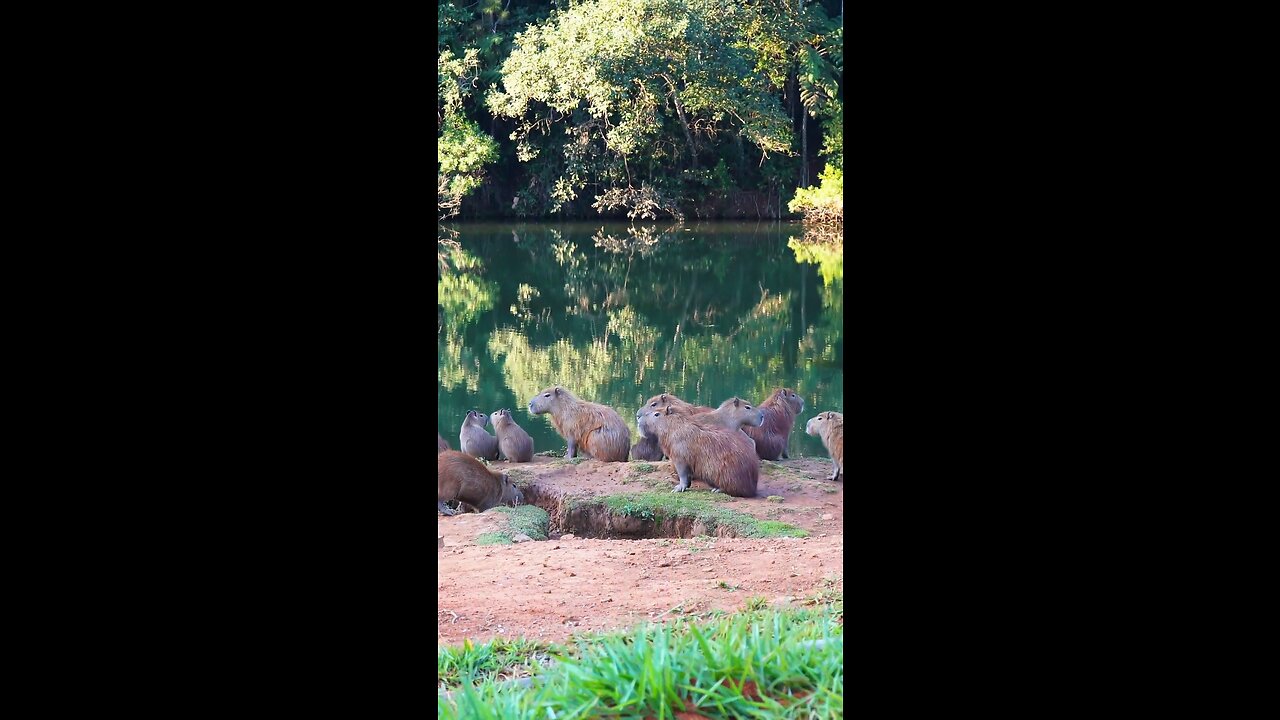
(445, 509)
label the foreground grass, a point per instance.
(528, 519)
(707, 507)
(765, 664)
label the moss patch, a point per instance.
(528, 519)
(493, 538)
(705, 507)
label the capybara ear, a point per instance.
(668, 410)
(737, 402)
(557, 389)
(664, 396)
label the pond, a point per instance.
(619, 313)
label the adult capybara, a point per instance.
(441, 444)
(657, 401)
(830, 427)
(463, 478)
(474, 440)
(732, 414)
(780, 412)
(514, 443)
(595, 429)
(722, 458)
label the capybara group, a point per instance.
(592, 428)
(463, 478)
(441, 445)
(474, 440)
(830, 427)
(514, 444)
(720, 457)
(780, 412)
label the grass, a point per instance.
(658, 506)
(643, 467)
(757, 664)
(515, 657)
(528, 519)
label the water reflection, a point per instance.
(618, 313)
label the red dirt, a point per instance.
(550, 590)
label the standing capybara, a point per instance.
(780, 412)
(514, 443)
(657, 401)
(474, 440)
(441, 445)
(830, 427)
(461, 477)
(722, 458)
(593, 428)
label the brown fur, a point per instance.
(474, 440)
(780, 412)
(441, 444)
(830, 427)
(595, 429)
(514, 443)
(463, 478)
(658, 401)
(732, 414)
(646, 449)
(720, 457)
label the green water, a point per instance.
(618, 314)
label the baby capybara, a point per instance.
(474, 440)
(646, 449)
(593, 428)
(719, 457)
(830, 427)
(780, 412)
(514, 443)
(441, 445)
(463, 478)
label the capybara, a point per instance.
(646, 449)
(732, 414)
(720, 457)
(593, 428)
(657, 401)
(830, 427)
(441, 444)
(780, 412)
(474, 440)
(463, 478)
(514, 443)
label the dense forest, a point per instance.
(645, 109)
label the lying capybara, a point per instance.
(593, 428)
(780, 412)
(657, 401)
(474, 440)
(830, 427)
(463, 478)
(514, 443)
(441, 444)
(720, 457)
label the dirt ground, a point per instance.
(551, 589)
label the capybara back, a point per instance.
(461, 477)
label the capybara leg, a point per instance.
(835, 472)
(570, 450)
(682, 471)
(445, 508)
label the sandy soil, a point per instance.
(552, 589)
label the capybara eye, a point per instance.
(547, 395)
(748, 407)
